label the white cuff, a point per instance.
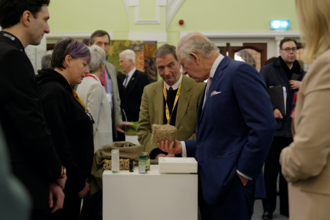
(184, 151)
(243, 175)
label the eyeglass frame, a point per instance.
(288, 50)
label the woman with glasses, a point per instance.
(69, 121)
(306, 162)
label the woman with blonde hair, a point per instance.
(306, 162)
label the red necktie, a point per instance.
(171, 89)
(102, 78)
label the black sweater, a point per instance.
(170, 102)
(71, 127)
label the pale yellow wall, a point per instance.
(146, 9)
(198, 15)
(230, 15)
(88, 16)
(147, 27)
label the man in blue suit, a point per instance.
(234, 130)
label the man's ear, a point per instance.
(195, 57)
(26, 18)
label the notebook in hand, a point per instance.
(276, 94)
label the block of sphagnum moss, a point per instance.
(162, 133)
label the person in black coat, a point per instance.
(134, 82)
(33, 158)
(70, 123)
(285, 71)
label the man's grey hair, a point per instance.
(129, 55)
(165, 50)
(97, 57)
(195, 43)
(45, 61)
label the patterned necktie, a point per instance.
(209, 81)
(171, 89)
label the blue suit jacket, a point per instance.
(234, 131)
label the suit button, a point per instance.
(197, 143)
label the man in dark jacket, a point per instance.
(134, 83)
(286, 72)
(33, 158)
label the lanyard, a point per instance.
(75, 94)
(102, 78)
(88, 75)
(168, 116)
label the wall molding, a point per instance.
(53, 37)
(136, 4)
(148, 36)
(246, 34)
(237, 38)
(172, 7)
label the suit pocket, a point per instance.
(220, 95)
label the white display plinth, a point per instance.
(133, 196)
(133, 139)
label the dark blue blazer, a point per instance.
(234, 131)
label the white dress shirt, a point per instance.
(130, 74)
(175, 86)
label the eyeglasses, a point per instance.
(288, 50)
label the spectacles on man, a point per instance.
(288, 50)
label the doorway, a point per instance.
(254, 54)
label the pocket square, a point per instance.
(215, 93)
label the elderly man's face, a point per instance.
(192, 69)
(126, 65)
(168, 68)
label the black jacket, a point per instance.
(275, 75)
(71, 127)
(134, 91)
(32, 155)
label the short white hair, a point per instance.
(129, 55)
(195, 43)
(97, 57)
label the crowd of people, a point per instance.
(54, 122)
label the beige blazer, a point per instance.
(116, 98)
(93, 95)
(152, 111)
(306, 162)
